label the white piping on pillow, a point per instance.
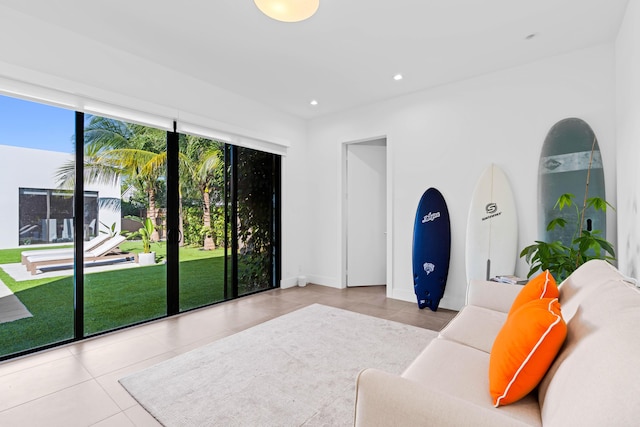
(515, 376)
(546, 282)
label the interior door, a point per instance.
(366, 213)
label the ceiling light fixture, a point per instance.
(288, 10)
(397, 77)
(314, 102)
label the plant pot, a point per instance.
(147, 258)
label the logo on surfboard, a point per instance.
(431, 216)
(428, 267)
(492, 211)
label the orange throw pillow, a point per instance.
(542, 286)
(524, 349)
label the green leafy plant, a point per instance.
(111, 231)
(560, 259)
(144, 232)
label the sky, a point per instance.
(34, 125)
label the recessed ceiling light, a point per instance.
(531, 36)
(397, 77)
(314, 102)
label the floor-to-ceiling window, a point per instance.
(36, 230)
(255, 177)
(131, 288)
(202, 219)
(213, 219)
(230, 213)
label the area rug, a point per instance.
(296, 370)
(11, 308)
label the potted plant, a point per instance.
(146, 257)
(560, 259)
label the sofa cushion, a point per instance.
(461, 371)
(475, 326)
(582, 282)
(541, 286)
(384, 399)
(492, 295)
(524, 349)
(595, 380)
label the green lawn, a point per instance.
(112, 299)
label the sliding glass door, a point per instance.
(125, 274)
(36, 231)
(253, 208)
(108, 224)
(229, 222)
(201, 221)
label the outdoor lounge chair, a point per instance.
(26, 229)
(108, 251)
(68, 252)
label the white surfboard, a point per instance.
(492, 228)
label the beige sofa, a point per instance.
(594, 380)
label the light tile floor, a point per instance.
(77, 384)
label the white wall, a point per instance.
(29, 168)
(445, 138)
(84, 72)
(628, 136)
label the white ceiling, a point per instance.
(346, 55)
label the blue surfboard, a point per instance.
(431, 249)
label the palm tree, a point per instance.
(96, 171)
(204, 157)
(115, 149)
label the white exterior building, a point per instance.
(32, 172)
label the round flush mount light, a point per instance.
(313, 102)
(397, 77)
(288, 10)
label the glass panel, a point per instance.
(36, 142)
(231, 288)
(201, 222)
(256, 224)
(125, 280)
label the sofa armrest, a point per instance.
(492, 295)
(384, 399)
